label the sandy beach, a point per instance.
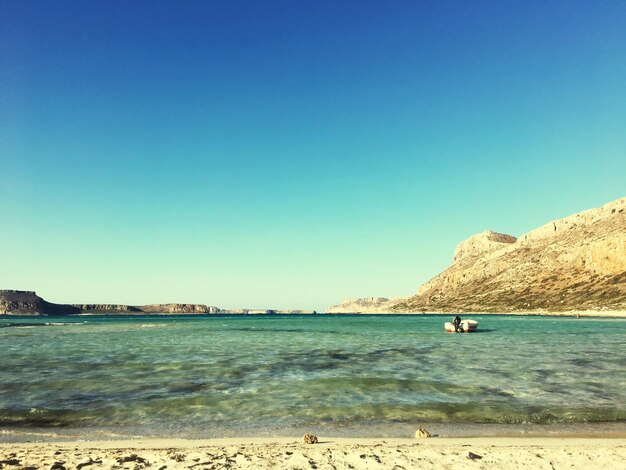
(329, 453)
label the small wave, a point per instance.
(27, 433)
(21, 325)
(34, 324)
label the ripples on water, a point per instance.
(213, 375)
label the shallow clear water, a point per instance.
(241, 375)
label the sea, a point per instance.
(205, 376)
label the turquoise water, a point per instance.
(336, 374)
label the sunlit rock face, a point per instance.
(362, 305)
(575, 263)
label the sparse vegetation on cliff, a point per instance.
(575, 263)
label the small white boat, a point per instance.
(467, 326)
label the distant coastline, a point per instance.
(571, 266)
(24, 303)
(575, 266)
(528, 313)
(28, 303)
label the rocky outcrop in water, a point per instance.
(575, 263)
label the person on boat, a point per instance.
(457, 324)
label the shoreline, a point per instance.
(526, 313)
(533, 313)
(330, 452)
(388, 430)
(391, 432)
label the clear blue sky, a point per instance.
(291, 154)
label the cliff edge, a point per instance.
(16, 302)
(575, 263)
(363, 305)
(22, 302)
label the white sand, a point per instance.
(329, 453)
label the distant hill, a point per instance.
(19, 302)
(363, 305)
(575, 263)
(15, 302)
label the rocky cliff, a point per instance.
(363, 305)
(575, 263)
(106, 308)
(29, 303)
(14, 302)
(179, 308)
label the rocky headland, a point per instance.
(363, 305)
(20, 302)
(17, 302)
(573, 264)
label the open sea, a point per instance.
(334, 375)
